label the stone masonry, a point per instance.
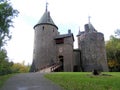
(52, 48)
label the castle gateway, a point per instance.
(55, 52)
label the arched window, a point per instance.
(53, 29)
(43, 28)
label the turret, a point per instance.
(44, 45)
(46, 20)
(92, 47)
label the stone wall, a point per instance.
(44, 46)
(77, 63)
(66, 50)
(93, 52)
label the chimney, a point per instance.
(69, 31)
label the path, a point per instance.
(30, 81)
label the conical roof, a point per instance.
(46, 19)
(91, 28)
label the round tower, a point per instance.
(92, 46)
(44, 45)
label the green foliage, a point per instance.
(7, 13)
(3, 55)
(10, 67)
(20, 68)
(113, 53)
(5, 66)
(85, 81)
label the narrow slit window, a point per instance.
(43, 28)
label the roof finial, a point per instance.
(79, 31)
(46, 6)
(79, 28)
(89, 19)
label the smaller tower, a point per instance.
(92, 46)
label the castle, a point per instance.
(52, 49)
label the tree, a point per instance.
(5, 66)
(113, 53)
(7, 13)
(20, 68)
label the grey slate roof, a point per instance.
(91, 27)
(80, 33)
(46, 19)
(64, 36)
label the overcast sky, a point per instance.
(67, 14)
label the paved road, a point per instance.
(30, 81)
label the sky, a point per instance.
(66, 14)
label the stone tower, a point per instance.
(64, 44)
(92, 47)
(44, 45)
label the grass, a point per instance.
(4, 78)
(86, 81)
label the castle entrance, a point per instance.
(61, 60)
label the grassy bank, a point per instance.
(86, 81)
(4, 78)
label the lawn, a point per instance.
(4, 78)
(86, 81)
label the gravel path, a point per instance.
(30, 81)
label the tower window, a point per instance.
(60, 41)
(53, 29)
(43, 28)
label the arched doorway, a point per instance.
(61, 60)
